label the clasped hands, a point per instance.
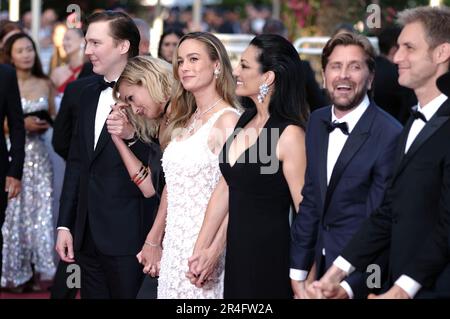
(201, 265)
(150, 257)
(117, 122)
(328, 287)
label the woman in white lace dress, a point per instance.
(202, 116)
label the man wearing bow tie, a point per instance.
(417, 202)
(350, 149)
(102, 219)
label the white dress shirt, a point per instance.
(409, 285)
(105, 101)
(336, 142)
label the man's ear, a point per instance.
(371, 77)
(442, 53)
(324, 83)
(124, 46)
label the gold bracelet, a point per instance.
(138, 172)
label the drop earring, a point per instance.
(263, 90)
(216, 73)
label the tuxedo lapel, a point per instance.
(438, 119)
(400, 151)
(91, 96)
(355, 140)
(102, 140)
(322, 152)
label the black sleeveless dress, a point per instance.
(258, 235)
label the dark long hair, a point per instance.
(36, 70)
(278, 55)
(177, 32)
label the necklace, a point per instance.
(198, 115)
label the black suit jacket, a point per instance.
(330, 215)
(10, 109)
(97, 188)
(65, 122)
(416, 198)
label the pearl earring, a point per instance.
(263, 90)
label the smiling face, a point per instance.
(347, 76)
(138, 97)
(247, 73)
(195, 67)
(72, 41)
(414, 58)
(23, 54)
(103, 51)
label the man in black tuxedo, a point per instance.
(11, 163)
(350, 148)
(63, 128)
(419, 191)
(100, 206)
(434, 259)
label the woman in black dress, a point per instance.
(263, 165)
(142, 92)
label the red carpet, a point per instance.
(43, 294)
(31, 295)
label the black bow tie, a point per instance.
(418, 115)
(331, 126)
(103, 85)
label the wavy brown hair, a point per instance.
(183, 101)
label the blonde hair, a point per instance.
(156, 76)
(183, 102)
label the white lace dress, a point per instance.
(192, 172)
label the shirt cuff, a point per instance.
(299, 275)
(409, 285)
(344, 265)
(63, 228)
(347, 289)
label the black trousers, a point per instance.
(59, 289)
(105, 277)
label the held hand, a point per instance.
(12, 186)
(329, 284)
(64, 246)
(34, 124)
(150, 257)
(394, 293)
(117, 123)
(299, 289)
(313, 291)
(202, 264)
